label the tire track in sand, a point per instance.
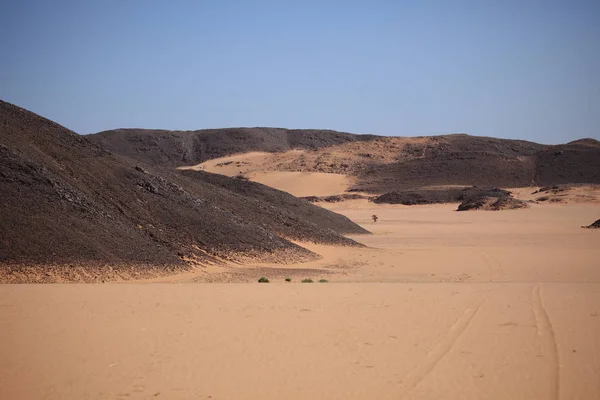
(548, 340)
(413, 378)
(493, 265)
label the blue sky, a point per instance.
(517, 69)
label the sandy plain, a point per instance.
(439, 305)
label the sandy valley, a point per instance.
(425, 303)
(258, 201)
(440, 304)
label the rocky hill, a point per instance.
(377, 164)
(177, 148)
(68, 203)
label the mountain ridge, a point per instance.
(378, 163)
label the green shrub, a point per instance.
(288, 279)
(307, 280)
(323, 281)
(264, 279)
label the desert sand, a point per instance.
(261, 167)
(440, 305)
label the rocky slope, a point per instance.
(67, 202)
(177, 148)
(377, 164)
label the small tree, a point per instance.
(375, 217)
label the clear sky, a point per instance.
(525, 69)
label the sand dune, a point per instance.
(261, 167)
(305, 183)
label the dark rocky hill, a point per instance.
(481, 161)
(595, 225)
(177, 148)
(380, 164)
(574, 162)
(456, 160)
(67, 202)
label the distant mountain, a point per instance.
(379, 164)
(67, 202)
